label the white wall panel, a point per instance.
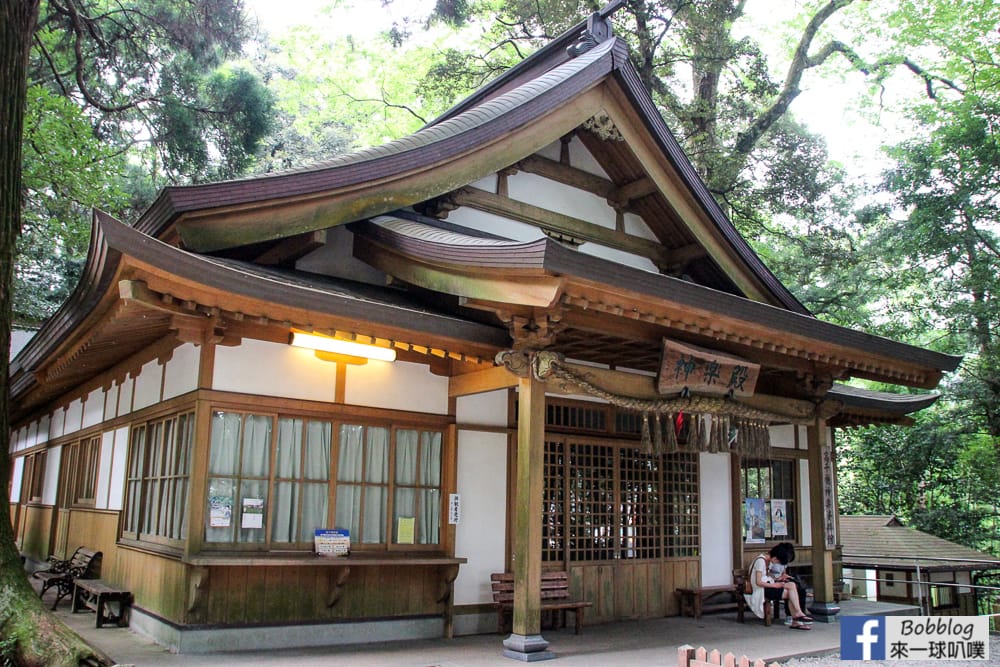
(73, 418)
(805, 539)
(479, 536)
(127, 389)
(486, 409)
(93, 408)
(43, 430)
(148, 385)
(116, 483)
(716, 520)
(782, 435)
(398, 385)
(274, 369)
(104, 470)
(180, 375)
(16, 477)
(56, 423)
(111, 402)
(50, 487)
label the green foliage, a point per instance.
(125, 97)
(66, 172)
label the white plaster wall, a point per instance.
(274, 369)
(116, 477)
(17, 439)
(93, 408)
(18, 339)
(554, 196)
(74, 417)
(479, 537)
(104, 470)
(617, 256)
(111, 402)
(42, 435)
(805, 516)
(180, 374)
(148, 385)
(16, 477)
(116, 483)
(579, 156)
(57, 422)
(397, 385)
(336, 258)
(716, 520)
(782, 435)
(50, 486)
(803, 433)
(495, 224)
(125, 395)
(486, 409)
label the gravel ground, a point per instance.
(835, 661)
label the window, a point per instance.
(275, 479)
(770, 480)
(79, 472)
(33, 481)
(608, 500)
(156, 483)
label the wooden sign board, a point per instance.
(704, 371)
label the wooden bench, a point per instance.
(695, 600)
(62, 574)
(95, 595)
(555, 597)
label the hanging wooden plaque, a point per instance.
(704, 371)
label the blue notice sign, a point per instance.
(332, 542)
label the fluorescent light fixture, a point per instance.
(345, 347)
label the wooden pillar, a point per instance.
(823, 511)
(525, 642)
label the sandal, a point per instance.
(802, 619)
(799, 626)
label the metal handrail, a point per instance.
(920, 581)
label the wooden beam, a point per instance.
(138, 292)
(560, 223)
(635, 190)
(567, 175)
(479, 382)
(292, 248)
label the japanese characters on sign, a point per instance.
(704, 371)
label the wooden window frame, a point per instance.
(33, 477)
(170, 438)
(651, 502)
(430, 423)
(792, 503)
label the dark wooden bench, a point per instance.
(95, 595)
(694, 600)
(555, 598)
(61, 574)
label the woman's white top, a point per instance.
(756, 599)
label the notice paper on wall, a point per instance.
(332, 542)
(405, 526)
(253, 513)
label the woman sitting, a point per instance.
(766, 588)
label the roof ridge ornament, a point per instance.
(598, 29)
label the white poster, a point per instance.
(779, 518)
(253, 513)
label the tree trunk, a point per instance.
(30, 635)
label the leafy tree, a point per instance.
(120, 85)
(30, 633)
